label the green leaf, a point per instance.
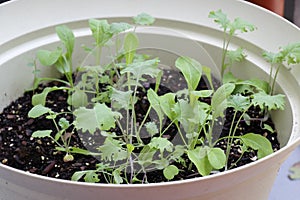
(145, 157)
(148, 67)
(131, 43)
(219, 99)
(67, 38)
(119, 27)
(217, 158)
(239, 102)
(48, 58)
(271, 102)
(121, 99)
(78, 98)
(91, 176)
(220, 18)
(78, 150)
(185, 115)
(200, 159)
(170, 172)
(101, 31)
(100, 117)
(38, 111)
(130, 148)
(151, 128)
(241, 25)
(78, 175)
(64, 123)
(237, 55)
(291, 53)
(41, 134)
(117, 177)
(259, 143)
(191, 70)
(167, 103)
(207, 72)
(228, 26)
(203, 93)
(153, 99)
(258, 84)
(272, 57)
(161, 143)
(268, 128)
(144, 19)
(41, 97)
(161, 163)
(112, 150)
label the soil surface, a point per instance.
(19, 150)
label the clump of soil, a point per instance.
(19, 150)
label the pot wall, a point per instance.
(19, 44)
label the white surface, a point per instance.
(25, 31)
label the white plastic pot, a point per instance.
(27, 25)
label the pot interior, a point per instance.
(161, 40)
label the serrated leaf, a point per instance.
(272, 57)
(163, 144)
(148, 67)
(271, 102)
(241, 25)
(112, 150)
(119, 27)
(239, 102)
(100, 117)
(151, 128)
(237, 55)
(117, 177)
(220, 18)
(259, 143)
(121, 99)
(170, 172)
(38, 110)
(41, 134)
(100, 30)
(191, 70)
(144, 19)
(291, 53)
(91, 176)
(257, 84)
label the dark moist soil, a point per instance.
(19, 150)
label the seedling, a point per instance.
(105, 99)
